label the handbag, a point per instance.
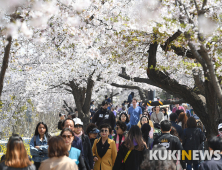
(124, 160)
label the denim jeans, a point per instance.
(195, 166)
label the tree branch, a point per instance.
(5, 63)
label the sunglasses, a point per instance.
(66, 136)
(104, 131)
(78, 126)
(146, 114)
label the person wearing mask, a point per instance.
(104, 116)
(135, 113)
(104, 150)
(173, 120)
(58, 156)
(169, 141)
(132, 151)
(124, 118)
(130, 98)
(182, 120)
(192, 140)
(87, 149)
(157, 116)
(39, 144)
(77, 143)
(16, 156)
(214, 144)
(178, 107)
(120, 136)
(145, 133)
(92, 132)
(75, 154)
(219, 130)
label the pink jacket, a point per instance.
(179, 108)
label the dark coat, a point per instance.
(133, 161)
(192, 140)
(77, 143)
(211, 165)
(87, 149)
(104, 116)
(178, 128)
(171, 143)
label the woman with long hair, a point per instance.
(143, 120)
(182, 120)
(145, 133)
(74, 153)
(16, 156)
(123, 117)
(58, 156)
(164, 111)
(132, 150)
(104, 149)
(192, 140)
(39, 144)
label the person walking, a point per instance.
(77, 143)
(123, 117)
(39, 144)
(121, 133)
(193, 137)
(74, 153)
(134, 112)
(157, 116)
(87, 149)
(104, 150)
(103, 115)
(58, 156)
(131, 152)
(16, 156)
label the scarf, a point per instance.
(118, 140)
(220, 133)
(78, 135)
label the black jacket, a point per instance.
(87, 149)
(211, 165)
(178, 128)
(171, 143)
(81, 165)
(104, 116)
(192, 140)
(60, 125)
(133, 161)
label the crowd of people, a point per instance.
(117, 138)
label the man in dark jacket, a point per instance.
(214, 143)
(173, 119)
(169, 141)
(104, 116)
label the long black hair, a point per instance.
(46, 132)
(127, 118)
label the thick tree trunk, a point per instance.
(207, 112)
(82, 97)
(5, 63)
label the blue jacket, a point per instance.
(178, 128)
(39, 155)
(74, 154)
(77, 143)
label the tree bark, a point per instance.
(5, 63)
(82, 97)
(166, 83)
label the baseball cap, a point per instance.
(78, 121)
(94, 130)
(220, 126)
